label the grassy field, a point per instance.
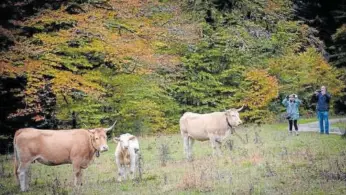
(340, 125)
(314, 119)
(271, 162)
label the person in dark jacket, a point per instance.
(323, 98)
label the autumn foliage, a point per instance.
(146, 62)
(259, 89)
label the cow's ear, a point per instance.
(132, 137)
(116, 139)
(92, 130)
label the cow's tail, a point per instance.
(15, 157)
(182, 125)
(15, 161)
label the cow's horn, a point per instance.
(239, 109)
(110, 128)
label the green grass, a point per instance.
(341, 125)
(307, 120)
(276, 164)
(314, 119)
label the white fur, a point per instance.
(130, 146)
(214, 127)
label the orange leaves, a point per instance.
(128, 7)
(26, 111)
(38, 118)
(272, 6)
(28, 66)
(63, 49)
(260, 88)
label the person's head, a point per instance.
(291, 97)
(323, 88)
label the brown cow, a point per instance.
(57, 147)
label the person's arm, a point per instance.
(314, 97)
(284, 101)
(298, 101)
(327, 97)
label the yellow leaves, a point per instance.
(54, 39)
(159, 45)
(340, 33)
(64, 82)
(304, 71)
(261, 88)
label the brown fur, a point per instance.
(56, 147)
(125, 157)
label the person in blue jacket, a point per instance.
(323, 98)
(292, 104)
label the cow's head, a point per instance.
(99, 138)
(232, 117)
(124, 140)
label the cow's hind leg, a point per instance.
(218, 146)
(190, 143)
(23, 175)
(186, 145)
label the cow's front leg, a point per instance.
(218, 146)
(133, 165)
(77, 175)
(215, 145)
(121, 172)
(120, 168)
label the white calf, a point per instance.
(126, 154)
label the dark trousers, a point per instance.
(291, 123)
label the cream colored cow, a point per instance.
(212, 126)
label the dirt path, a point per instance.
(314, 126)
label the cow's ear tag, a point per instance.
(116, 139)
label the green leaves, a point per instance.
(140, 99)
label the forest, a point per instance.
(87, 63)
